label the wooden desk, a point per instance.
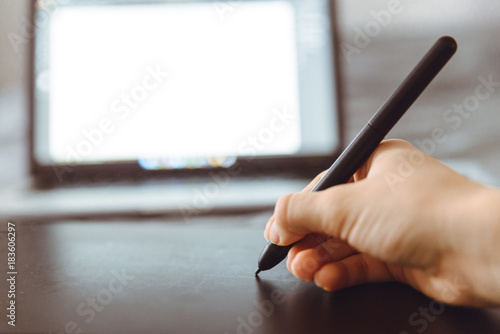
(173, 277)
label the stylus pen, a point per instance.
(360, 149)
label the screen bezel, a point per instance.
(53, 174)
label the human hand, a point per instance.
(403, 216)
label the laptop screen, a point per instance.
(172, 85)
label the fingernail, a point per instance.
(320, 285)
(273, 234)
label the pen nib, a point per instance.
(257, 272)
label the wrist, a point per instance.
(477, 223)
(474, 244)
(489, 223)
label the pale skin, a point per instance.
(405, 217)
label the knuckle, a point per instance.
(400, 143)
(335, 203)
(305, 266)
(393, 145)
(282, 210)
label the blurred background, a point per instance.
(374, 61)
(453, 120)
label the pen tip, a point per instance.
(257, 272)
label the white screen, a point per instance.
(231, 87)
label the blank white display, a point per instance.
(172, 80)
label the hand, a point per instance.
(403, 216)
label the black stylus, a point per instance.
(360, 149)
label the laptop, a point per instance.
(144, 108)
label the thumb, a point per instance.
(332, 211)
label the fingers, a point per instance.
(311, 253)
(393, 155)
(309, 242)
(268, 227)
(329, 211)
(307, 189)
(337, 210)
(381, 160)
(353, 270)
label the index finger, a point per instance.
(308, 188)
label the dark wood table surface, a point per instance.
(171, 277)
(184, 282)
